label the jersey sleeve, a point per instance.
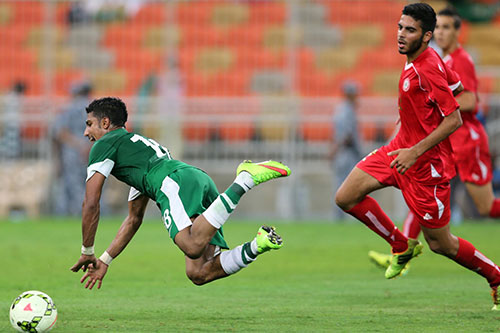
(436, 75)
(453, 78)
(465, 68)
(101, 159)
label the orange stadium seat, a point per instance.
(232, 83)
(313, 126)
(123, 36)
(384, 58)
(197, 131)
(316, 131)
(238, 131)
(63, 80)
(250, 35)
(359, 11)
(13, 35)
(17, 59)
(194, 12)
(141, 60)
(197, 35)
(260, 58)
(264, 12)
(151, 14)
(29, 12)
(314, 83)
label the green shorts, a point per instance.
(185, 194)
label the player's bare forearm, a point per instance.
(467, 101)
(90, 221)
(91, 208)
(129, 226)
(406, 157)
(449, 125)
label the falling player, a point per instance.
(192, 210)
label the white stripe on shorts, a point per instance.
(179, 216)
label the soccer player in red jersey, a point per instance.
(419, 159)
(469, 142)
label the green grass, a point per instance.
(321, 281)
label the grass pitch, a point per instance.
(321, 281)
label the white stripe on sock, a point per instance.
(376, 223)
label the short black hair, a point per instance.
(110, 107)
(451, 12)
(424, 13)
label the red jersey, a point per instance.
(425, 98)
(470, 141)
(461, 62)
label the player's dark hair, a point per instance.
(451, 12)
(110, 107)
(422, 12)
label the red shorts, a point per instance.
(472, 153)
(429, 203)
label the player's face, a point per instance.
(93, 129)
(410, 36)
(445, 34)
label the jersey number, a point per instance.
(150, 143)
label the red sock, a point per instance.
(369, 212)
(495, 208)
(411, 227)
(474, 260)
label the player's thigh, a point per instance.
(186, 194)
(355, 187)
(482, 195)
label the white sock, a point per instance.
(244, 179)
(240, 257)
(217, 214)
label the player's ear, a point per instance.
(427, 36)
(105, 122)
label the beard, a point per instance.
(414, 46)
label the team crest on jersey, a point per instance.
(406, 84)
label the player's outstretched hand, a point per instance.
(405, 158)
(95, 274)
(84, 261)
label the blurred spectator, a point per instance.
(77, 14)
(10, 140)
(345, 150)
(73, 149)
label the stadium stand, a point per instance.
(254, 76)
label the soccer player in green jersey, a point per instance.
(192, 209)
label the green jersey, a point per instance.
(181, 191)
(129, 157)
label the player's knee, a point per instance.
(342, 200)
(196, 277)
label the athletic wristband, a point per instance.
(106, 258)
(88, 251)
